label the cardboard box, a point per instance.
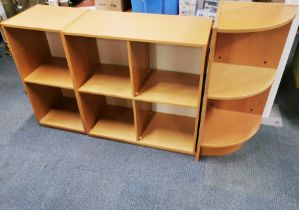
(115, 5)
(188, 7)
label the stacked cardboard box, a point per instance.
(115, 5)
(188, 7)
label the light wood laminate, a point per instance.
(170, 132)
(171, 87)
(167, 29)
(64, 120)
(115, 122)
(44, 18)
(229, 81)
(110, 80)
(241, 17)
(54, 73)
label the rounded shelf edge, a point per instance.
(238, 17)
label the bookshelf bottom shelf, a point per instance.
(226, 131)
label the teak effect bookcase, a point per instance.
(135, 78)
(138, 78)
(247, 43)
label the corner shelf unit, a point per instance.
(135, 78)
(247, 43)
(46, 78)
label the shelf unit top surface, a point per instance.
(44, 18)
(53, 73)
(241, 17)
(218, 131)
(230, 81)
(154, 28)
(171, 87)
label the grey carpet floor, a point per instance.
(43, 168)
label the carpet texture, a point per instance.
(44, 168)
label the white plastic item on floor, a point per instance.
(2, 12)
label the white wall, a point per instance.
(283, 62)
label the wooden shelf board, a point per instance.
(241, 17)
(63, 119)
(143, 27)
(44, 18)
(229, 81)
(218, 132)
(110, 80)
(171, 87)
(170, 132)
(115, 123)
(54, 73)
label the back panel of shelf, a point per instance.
(261, 49)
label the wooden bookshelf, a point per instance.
(118, 98)
(117, 71)
(247, 43)
(44, 76)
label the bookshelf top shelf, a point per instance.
(242, 17)
(44, 18)
(153, 28)
(230, 81)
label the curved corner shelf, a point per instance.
(243, 17)
(230, 81)
(219, 137)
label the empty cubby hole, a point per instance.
(108, 117)
(100, 66)
(40, 57)
(165, 126)
(166, 73)
(55, 107)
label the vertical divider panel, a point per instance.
(142, 114)
(139, 62)
(82, 57)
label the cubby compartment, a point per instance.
(166, 73)
(34, 57)
(55, 107)
(243, 115)
(100, 66)
(166, 126)
(109, 117)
